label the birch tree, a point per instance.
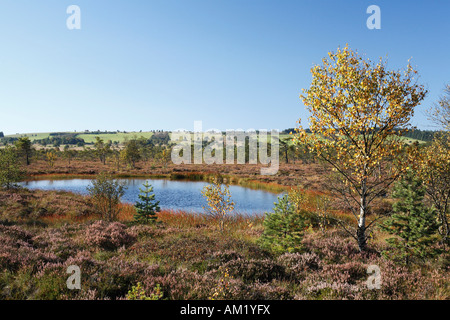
(359, 111)
(440, 112)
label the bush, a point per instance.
(266, 291)
(106, 193)
(255, 270)
(297, 264)
(331, 247)
(183, 284)
(138, 293)
(108, 236)
(118, 276)
(58, 242)
(18, 250)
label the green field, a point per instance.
(121, 137)
(32, 136)
(88, 138)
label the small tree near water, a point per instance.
(105, 193)
(219, 201)
(283, 228)
(23, 145)
(10, 169)
(147, 207)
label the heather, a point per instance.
(187, 256)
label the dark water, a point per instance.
(183, 195)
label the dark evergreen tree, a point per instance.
(412, 223)
(147, 207)
(24, 147)
(10, 169)
(283, 228)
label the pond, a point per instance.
(175, 195)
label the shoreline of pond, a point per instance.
(271, 187)
(175, 194)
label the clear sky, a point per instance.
(162, 64)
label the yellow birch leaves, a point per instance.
(359, 109)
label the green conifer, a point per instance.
(147, 207)
(283, 228)
(413, 225)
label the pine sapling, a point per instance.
(413, 225)
(146, 206)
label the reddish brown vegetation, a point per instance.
(308, 176)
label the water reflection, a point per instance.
(183, 195)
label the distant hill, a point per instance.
(88, 137)
(78, 137)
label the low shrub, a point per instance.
(108, 235)
(18, 251)
(331, 247)
(252, 270)
(298, 263)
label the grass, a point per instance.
(119, 137)
(230, 179)
(262, 185)
(32, 136)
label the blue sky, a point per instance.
(162, 64)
